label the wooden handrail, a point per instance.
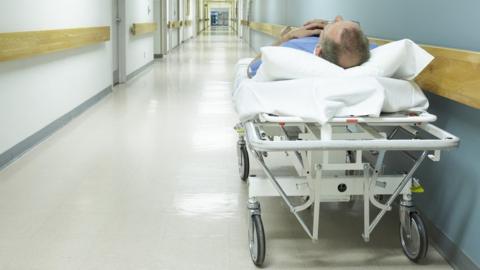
(174, 24)
(453, 74)
(143, 28)
(244, 22)
(19, 45)
(267, 28)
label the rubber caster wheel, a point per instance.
(351, 203)
(243, 161)
(415, 245)
(380, 198)
(256, 239)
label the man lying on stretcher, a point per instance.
(341, 42)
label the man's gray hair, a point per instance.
(352, 43)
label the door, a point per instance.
(181, 17)
(198, 17)
(115, 43)
(174, 17)
(186, 17)
(240, 17)
(118, 42)
(158, 14)
(163, 26)
(206, 16)
(248, 16)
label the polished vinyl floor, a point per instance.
(147, 179)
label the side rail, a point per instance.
(408, 117)
(443, 141)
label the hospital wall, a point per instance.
(36, 91)
(40, 94)
(451, 201)
(140, 49)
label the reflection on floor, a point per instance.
(147, 179)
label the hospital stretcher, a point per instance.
(337, 162)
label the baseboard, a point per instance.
(22, 147)
(158, 56)
(139, 70)
(449, 250)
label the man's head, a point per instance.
(343, 43)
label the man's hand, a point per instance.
(315, 24)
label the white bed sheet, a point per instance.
(320, 99)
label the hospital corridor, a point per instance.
(239, 134)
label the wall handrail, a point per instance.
(20, 45)
(453, 74)
(174, 24)
(143, 28)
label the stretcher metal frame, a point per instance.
(317, 152)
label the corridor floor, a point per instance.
(148, 179)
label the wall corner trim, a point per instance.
(449, 250)
(18, 150)
(139, 70)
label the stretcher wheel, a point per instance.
(256, 239)
(352, 201)
(415, 245)
(243, 162)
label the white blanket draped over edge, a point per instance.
(311, 99)
(321, 98)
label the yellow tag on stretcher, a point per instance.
(417, 189)
(240, 131)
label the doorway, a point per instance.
(174, 17)
(219, 17)
(186, 11)
(160, 17)
(118, 42)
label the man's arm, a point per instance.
(282, 39)
(290, 33)
(315, 24)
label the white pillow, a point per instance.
(401, 59)
(281, 63)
